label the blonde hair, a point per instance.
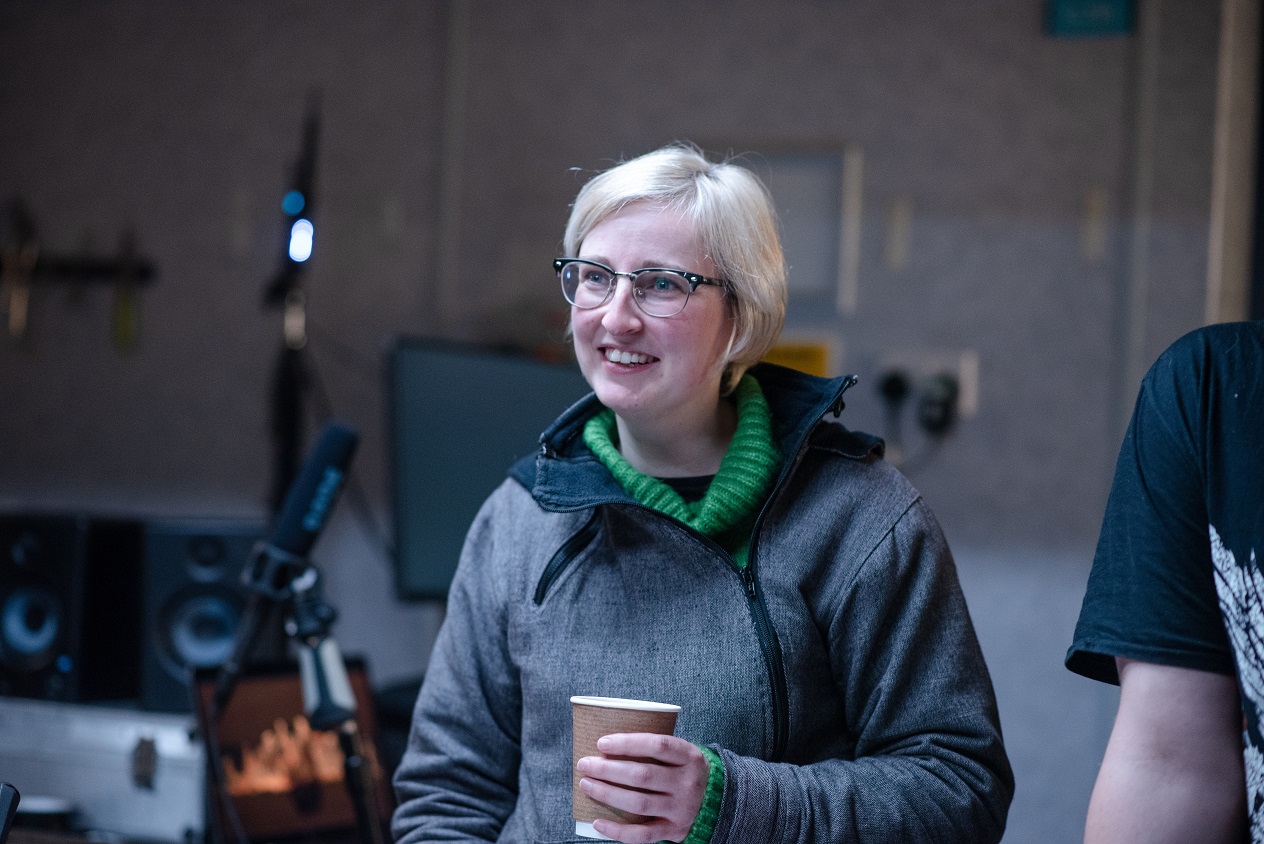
(735, 219)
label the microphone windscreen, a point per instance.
(312, 495)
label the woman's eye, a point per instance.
(665, 285)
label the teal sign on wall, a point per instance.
(1090, 17)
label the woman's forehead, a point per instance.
(644, 231)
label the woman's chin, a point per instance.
(619, 398)
(618, 401)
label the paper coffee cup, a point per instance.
(594, 717)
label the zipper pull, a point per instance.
(748, 580)
(837, 407)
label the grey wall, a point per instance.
(451, 148)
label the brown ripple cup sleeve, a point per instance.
(594, 717)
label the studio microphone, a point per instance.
(279, 563)
(312, 495)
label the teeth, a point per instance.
(615, 356)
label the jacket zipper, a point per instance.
(771, 648)
(566, 555)
(764, 628)
(765, 632)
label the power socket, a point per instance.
(943, 387)
(920, 365)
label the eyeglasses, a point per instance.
(657, 292)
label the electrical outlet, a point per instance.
(919, 365)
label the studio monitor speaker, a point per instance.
(194, 600)
(70, 604)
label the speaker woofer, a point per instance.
(32, 622)
(197, 628)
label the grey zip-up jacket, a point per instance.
(837, 674)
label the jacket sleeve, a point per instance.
(928, 764)
(458, 778)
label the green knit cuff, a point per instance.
(704, 824)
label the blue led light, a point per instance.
(293, 202)
(301, 234)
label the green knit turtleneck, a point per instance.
(727, 512)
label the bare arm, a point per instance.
(1173, 766)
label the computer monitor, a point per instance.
(460, 416)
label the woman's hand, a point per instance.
(667, 782)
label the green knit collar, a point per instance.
(738, 489)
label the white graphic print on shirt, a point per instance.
(1241, 591)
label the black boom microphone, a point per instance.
(314, 491)
(276, 563)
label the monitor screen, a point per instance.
(460, 416)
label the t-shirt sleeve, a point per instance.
(1151, 594)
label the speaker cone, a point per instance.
(31, 622)
(196, 628)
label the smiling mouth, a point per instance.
(627, 358)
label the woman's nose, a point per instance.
(622, 314)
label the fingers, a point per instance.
(662, 777)
(638, 833)
(668, 750)
(669, 817)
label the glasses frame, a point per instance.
(695, 281)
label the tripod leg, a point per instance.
(358, 770)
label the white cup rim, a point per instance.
(625, 703)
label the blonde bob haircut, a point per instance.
(732, 213)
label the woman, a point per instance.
(700, 534)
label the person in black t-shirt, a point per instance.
(1173, 611)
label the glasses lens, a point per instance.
(585, 285)
(661, 292)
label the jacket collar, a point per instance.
(565, 475)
